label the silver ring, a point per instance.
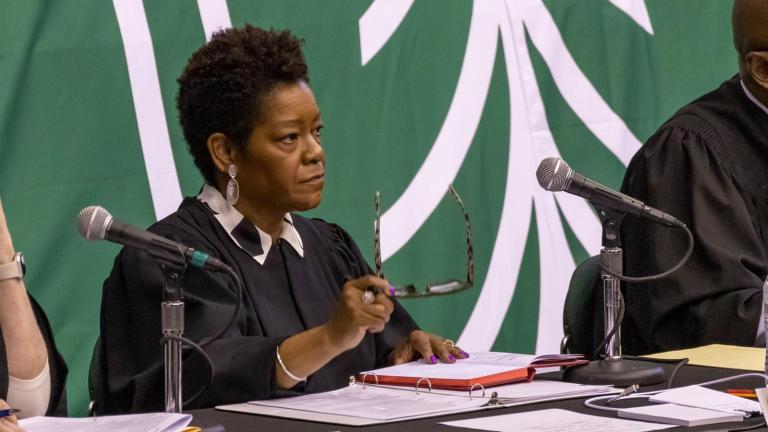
(368, 297)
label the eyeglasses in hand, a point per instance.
(434, 288)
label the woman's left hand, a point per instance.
(428, 346)
(8, 424)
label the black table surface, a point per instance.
(235, 422)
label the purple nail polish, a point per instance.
(432, 359)
(465, 354)
(451, 358)
(391, 291)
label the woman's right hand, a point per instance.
(303, 354)
(353, 318)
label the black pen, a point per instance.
(9, 412)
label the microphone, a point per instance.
(555, 175)
(95, 223)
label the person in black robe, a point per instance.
(312, 314)
(32, 372)
(707, 166)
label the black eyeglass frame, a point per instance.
(433, 288)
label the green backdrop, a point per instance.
(493, 86)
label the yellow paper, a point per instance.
(722, 356)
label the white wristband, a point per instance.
(285, 369)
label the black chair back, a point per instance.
(583, 310)
(97, 383)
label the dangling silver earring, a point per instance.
(233, 188)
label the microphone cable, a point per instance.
(198, 347)
(620, 317)
(614, 329)
(208, 363)
(661, 275)
(235, 313)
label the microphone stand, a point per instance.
(613, 369)
(173, 265)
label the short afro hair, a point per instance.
(224, 84)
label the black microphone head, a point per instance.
(93, 222)
(554, 174)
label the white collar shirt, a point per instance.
(250, 238)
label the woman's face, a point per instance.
(283, 166)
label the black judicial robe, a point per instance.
(284, 296)
(57, 403)
(707, 166)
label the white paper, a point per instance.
(762, 397)
(477, 365)
(536, 390)
(555, 420)
(510, 360)
(679, 415)
(374, 405)
(379, 403)
(702, 397)
(154, 422)
(539, 388)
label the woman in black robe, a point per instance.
(308, 319)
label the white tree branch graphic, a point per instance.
(148, 105)
(147, 100)
(530, 141)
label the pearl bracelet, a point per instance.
(285, 369)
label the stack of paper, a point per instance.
(376, 403)
(371, 404)
(723, 356)
(154, 422)
(693, 406)
(679, 415)
(702, 397)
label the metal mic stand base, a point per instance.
(613, 369)
(620, 372)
